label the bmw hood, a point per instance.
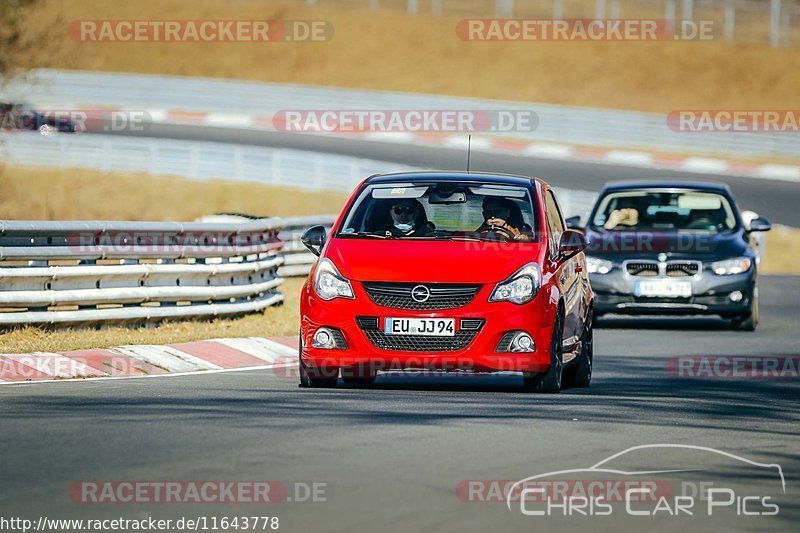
(398, 260)
(703, 246)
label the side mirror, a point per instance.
(314, 239)
(574, 222)
(571, 244)
(759, 224)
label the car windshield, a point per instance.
(442, 210)
(664, 211)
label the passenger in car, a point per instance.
(625, 214)
(408, 219)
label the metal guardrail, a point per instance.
(231, 99)
(85, 273)
(297, 259)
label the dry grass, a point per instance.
(782, 251)
(390, 50)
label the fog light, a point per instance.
(736, 296)
(323, 338)
(522, 342)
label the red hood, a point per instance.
(429, 261)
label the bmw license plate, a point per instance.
(431, 327)
(663, 288)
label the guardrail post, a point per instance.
(688, 9)
(669, 10)
(774, 22)
(599, 9)
(730, 20)
(786, 22)
(504, 8)
(615, 10)
(558, 9)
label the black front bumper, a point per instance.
(614, 293)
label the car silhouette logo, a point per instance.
(420, 293)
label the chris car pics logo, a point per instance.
(705, 482)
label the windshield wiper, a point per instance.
(365, 234)
(441, 238)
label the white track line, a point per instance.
(175, 375)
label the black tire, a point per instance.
(579, 374)
(748, 321)
(549, 382)
(316, 377)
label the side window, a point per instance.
(555, 222)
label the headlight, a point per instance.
(727, 267)
(520, 287)
(329, 284)
(595, 265)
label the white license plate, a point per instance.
(663, 288)
(432, 327)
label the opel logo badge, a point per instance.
(420, 293)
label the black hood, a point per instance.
(701, 246)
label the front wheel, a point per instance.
(579, 374)
(549, 382)
(748, 321)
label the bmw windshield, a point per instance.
(667, 210)
(442, 210)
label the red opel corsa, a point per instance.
(450, 271)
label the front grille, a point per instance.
(505, 343)
(469, 328)
(420, 343)
(673, 269)
(641, 268)
(442, 295)
(338, 339)
(678, 269)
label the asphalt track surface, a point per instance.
(393, 455)
(774, 199)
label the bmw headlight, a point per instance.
(329, 284)
(521, 287)
(727, 267)
(595, 265)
